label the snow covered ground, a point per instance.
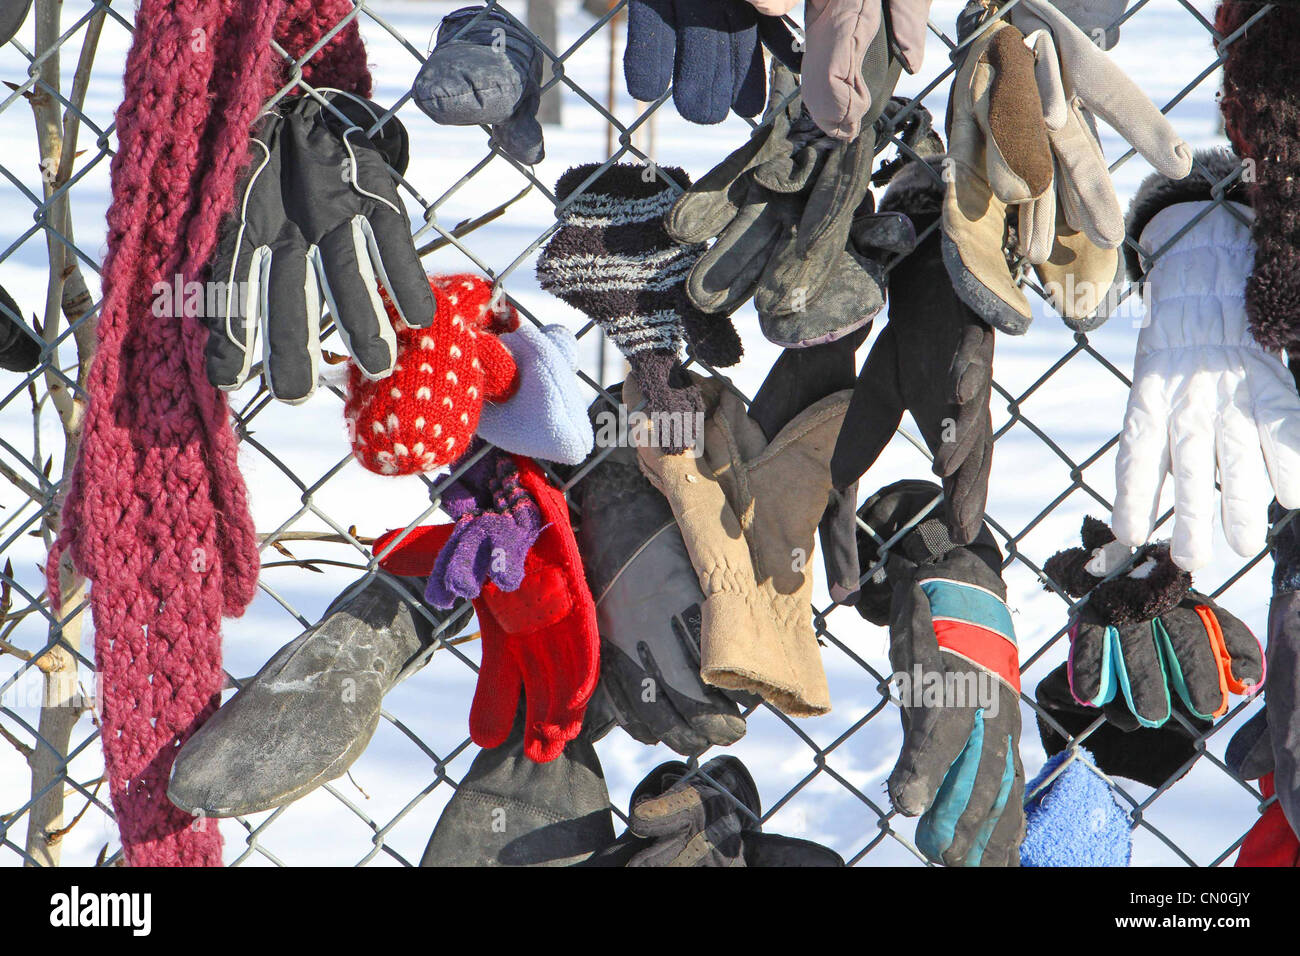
(1164, 47)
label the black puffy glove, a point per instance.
(934, 359)
(1144, 640)
(957, 671)
(318, 216)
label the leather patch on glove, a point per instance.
(1015, 111)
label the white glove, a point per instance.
(1205, 395)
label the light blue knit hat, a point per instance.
(547, 417)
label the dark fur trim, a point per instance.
(1124, 600)
(1159, 192)
(917, 192)
(1261, 112)
(1096, 533)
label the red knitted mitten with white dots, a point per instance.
(423, 415)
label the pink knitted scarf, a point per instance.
(157, 514)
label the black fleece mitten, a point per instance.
(934, 359)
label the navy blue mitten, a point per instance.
(708, 49)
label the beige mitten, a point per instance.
(748, 511)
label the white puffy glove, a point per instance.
(1205, 395)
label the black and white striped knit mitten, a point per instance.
(613, 259)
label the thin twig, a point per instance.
(464, 228)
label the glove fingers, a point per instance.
(751, 89)
(651, 45)
(1144, 650)
(1240, 655)
(1276, 411)
(972, 364)
(873, 415)
(1111, 94)
(393, 255)
(1143, 459)
(842, 183)
(665, 711)
(909, 18)
(1191, 448)
(1196, 659)
(728, 272)
(351, 288)
(704, 76)
(1037, 228)
(781, 41)
(291, 336)
(933, 737)
(1003, 847)
(1047, 73)
(967, 489)
(1244, 480)
(1087, 194)
(553, 715)
(496, 696)
(836, 38)
(232, 332)
(706, 209)
(989, 796)
(967, 798)
(1093, 663)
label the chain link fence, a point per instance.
(1058, 405)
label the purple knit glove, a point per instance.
(497, 522)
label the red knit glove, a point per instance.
(540, 640)
(1271, 841)
(423, 415)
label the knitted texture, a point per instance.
(1075, 819)
(156, 515)
(423, 416)
(1261, 112)
(547, 417)
(613, 259)
(497, 522)
(540, 640)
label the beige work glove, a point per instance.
(1021, 135)
(748, 511)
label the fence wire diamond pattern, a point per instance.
(476, 209)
